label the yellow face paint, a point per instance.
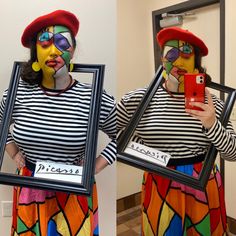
(54, 52)
(178, 59)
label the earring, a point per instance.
(71, 67)
(36, 66)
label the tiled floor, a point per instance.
(128, 222)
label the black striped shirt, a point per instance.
(54, 128)
(167, 127)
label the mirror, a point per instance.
(203, 10)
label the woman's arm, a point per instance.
(224, 139)
(101, 163)
(11, 148)
(107, 124)
(16, 155)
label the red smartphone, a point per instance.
(194, 89)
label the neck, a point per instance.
(172, 86)
(56, 83)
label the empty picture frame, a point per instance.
(124, 139)
(87, 178)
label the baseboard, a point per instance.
(135, 200)
(232, 224)
(128, 202)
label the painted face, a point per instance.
(54, 50)
(178, 59)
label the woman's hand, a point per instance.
(101, 163)
(19, 160)
(207, 116)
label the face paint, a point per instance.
(178, 59)
(54, 51)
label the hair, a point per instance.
(27, 73)
(198, 65)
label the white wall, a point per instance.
(96, 44)
(134, 69)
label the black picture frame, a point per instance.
(125, 137)
(85, 188)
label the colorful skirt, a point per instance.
(49, 213)
(170, 208)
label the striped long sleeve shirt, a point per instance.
(54, 128)
(167, 127)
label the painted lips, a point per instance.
(51, 63)
(177, 72)
(181, 72)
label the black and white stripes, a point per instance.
(167, 127)
(54, 127)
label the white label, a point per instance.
(147, 153)
(56, 171)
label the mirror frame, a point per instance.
(188, 6)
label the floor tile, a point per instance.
(129, 222)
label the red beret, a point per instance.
(175, 33)
(59, 17)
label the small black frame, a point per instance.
(85, 187)
(124, 138)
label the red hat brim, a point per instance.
(58, 17)
(175, 33)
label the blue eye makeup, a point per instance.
(186, 49)
(45, 36)
(61, 42)
(172, 54)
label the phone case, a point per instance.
(194, 89)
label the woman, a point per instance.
(170, 208)
(50, 120)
